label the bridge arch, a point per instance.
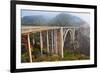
(71, 34)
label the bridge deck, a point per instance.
(33, 29)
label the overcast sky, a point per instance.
(83, 16)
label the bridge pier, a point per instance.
(61, 39)
(29, 48)
(41, 42)
(55, 41)
(52, 41)
(47, 42)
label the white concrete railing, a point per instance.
(33, 29)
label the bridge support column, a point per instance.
(52, 43)
(33, 41)
(29, 48)
(61, 39)
(41, 42)
(55, 41)
(72, 34)
(73, 38)
(47, 43)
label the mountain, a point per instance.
(62, 19)
(33, 20)
(84, 42)
(85, 30)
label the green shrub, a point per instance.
(72, 55)
(24, 57)
(55, 57)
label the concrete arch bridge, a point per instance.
(55, 37)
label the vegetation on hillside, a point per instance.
(38, 57)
